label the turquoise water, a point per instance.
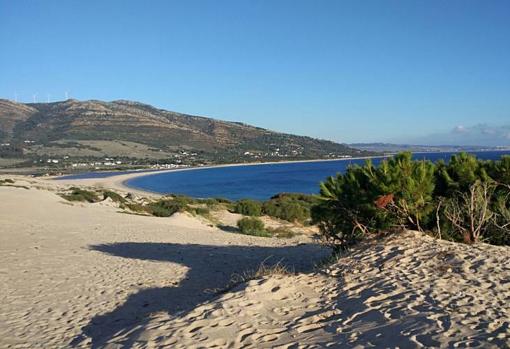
(261, 181)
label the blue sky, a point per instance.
(350, 71)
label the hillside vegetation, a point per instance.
(125, 129)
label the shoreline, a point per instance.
(119, 182)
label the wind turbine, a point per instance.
(34, 97)
(48, 98)
(15, 96)
(67, 95)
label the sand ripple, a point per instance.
(87, 276)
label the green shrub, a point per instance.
(461, 172)
(346, 210)
(248, 208)
(78, 194)
(166, 207)
(136, 207)
(499, 170)
(113, 196)
(252, 226)
(290, 207)
(216, 203)
(369, 199)
(499, 233)
(451, 198)
(183, 200)
(411, 184)
(222, 200)
(286, 210)
(202, 211)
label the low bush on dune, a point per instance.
(201, 211)
(248, 208)
(182, 200)
(214, 201)
(78, 194)
(252, 226)
(166, 207)
(204, 212)
(10, 183)
(465, 200)
(115, 197)
(135, 207)
(290, 207)
(221, 200)
(286, 210)
(281, 232)
(169, 205)
(217, 203)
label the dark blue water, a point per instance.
(261, 181)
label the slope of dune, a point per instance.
(87, 276)
(407, 291)
(80, 274)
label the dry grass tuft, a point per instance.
(263, 270)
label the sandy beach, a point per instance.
(89, 276)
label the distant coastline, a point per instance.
(119, 182)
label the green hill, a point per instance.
(95, 129)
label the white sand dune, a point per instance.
(87, 276)
(81, 273)
(410, 291)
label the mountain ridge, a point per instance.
(94, 124)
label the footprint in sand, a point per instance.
(225, 322)
(244, 334)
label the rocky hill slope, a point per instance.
(132, 129)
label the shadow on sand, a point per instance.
(209, 267)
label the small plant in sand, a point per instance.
(6, 181)
(135, 207)
(262, 271)
(204, 212)
(166, 207)
(201, 211)
(183, 200)
(252, 226)
(78, 194)
(216, 203)
(115, 197)
(282, 232)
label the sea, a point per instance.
(258, 182)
